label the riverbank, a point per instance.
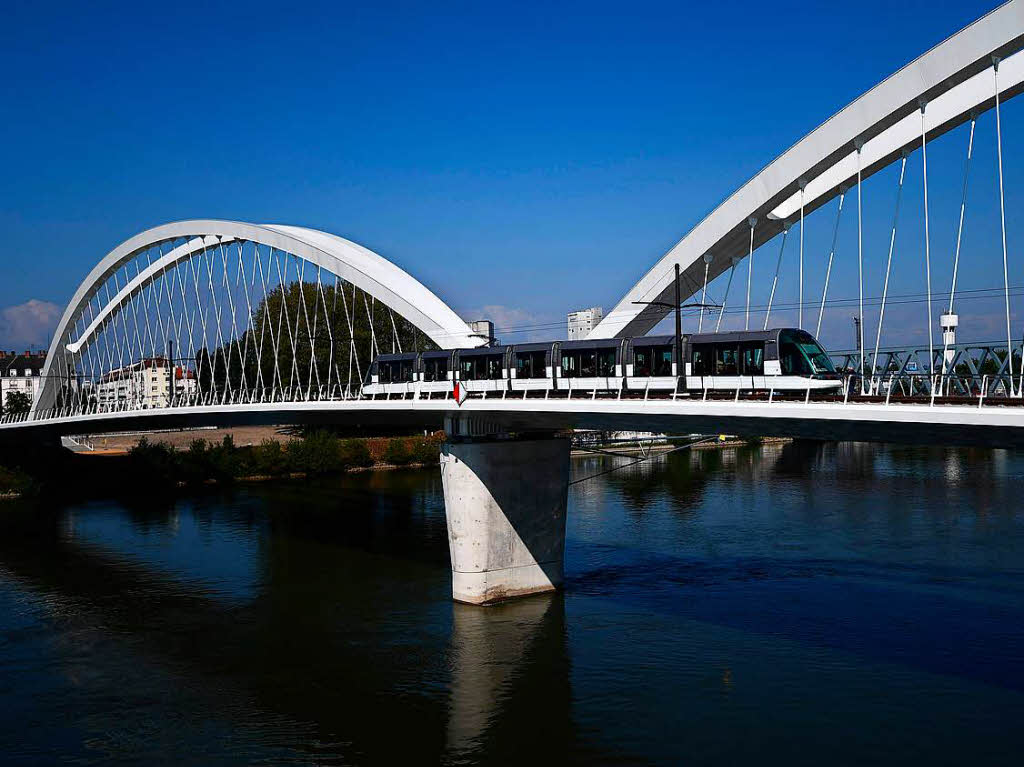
(134, 463)
(165, 465)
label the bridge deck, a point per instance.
(992, 425)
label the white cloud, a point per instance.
(516, 325)
(28, 324)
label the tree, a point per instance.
(17, 403)
(315, 318)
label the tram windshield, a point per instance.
(801, 355)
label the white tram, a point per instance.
(780, 359)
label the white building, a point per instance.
(483, 329)
(20, 373)
(582, 321)
(144, 385)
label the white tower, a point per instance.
(948, 322)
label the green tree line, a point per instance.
(312, 336)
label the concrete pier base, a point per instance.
(505, 504)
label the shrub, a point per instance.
(268, 458)
(317, 453)
(426, 450)
(397, 452)
(355, 452)
(195, 462)
(153, 464)
(14, 481)
(376, 446)
(223, 460)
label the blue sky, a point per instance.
(522, 159)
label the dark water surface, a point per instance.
(805, 604)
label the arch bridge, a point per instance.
(217, 323)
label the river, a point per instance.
(798, 604)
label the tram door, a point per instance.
(727, 366)
(752, 363)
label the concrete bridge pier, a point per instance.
(505, 500)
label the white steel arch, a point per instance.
(349, 261)
(951, 82)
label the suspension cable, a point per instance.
(959, 235)
(800, 300)
(1002, 220)
(888, 263)
(750, 269)
(927, 245)
(775, 281)
(726, 299)
(704, 296)
(831, 256)
(860, 266)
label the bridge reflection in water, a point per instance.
(835, 591)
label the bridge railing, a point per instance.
(893, 387)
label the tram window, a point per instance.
(494, 367)
(530, 365)
(570, 366)
(662, 360)
(435, 369)
(753, 359)
(605, 362)
(702, 360)
(642, 362)
(578, 363)
(726, 360)
(587, 367)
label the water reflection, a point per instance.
(510, 682)
(851, 593)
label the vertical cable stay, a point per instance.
(726, 299)
(800, 298)
(704, 295)
(963, 207)
(888, 265)
(1002, 221)
(959, 235)
(860, 266)
(831, 257)
(394, 330)
(927, 247)
(775, 280)
(750, 269)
